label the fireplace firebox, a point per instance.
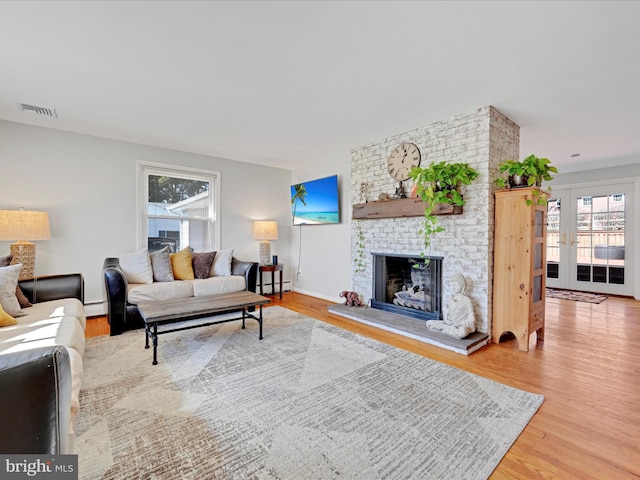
(408, 285)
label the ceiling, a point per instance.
(289, 84)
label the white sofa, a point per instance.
(144, 292)
(56, 318)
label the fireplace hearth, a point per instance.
(408, 285)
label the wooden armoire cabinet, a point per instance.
(519, 269)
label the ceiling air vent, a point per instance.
(45, 112)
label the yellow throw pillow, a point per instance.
(181, 265)
(6, 320)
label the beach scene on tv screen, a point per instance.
(315, 202)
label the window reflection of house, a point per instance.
(185, 221)
(158, 243)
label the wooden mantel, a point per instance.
(401, 207)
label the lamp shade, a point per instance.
(265, 230)
(24, 225)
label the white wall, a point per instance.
(88, 186)
(323, 251)
(597, 175)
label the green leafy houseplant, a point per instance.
(439, 183)
(529, 172)
(359, 258)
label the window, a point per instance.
(178, 207)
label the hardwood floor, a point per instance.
(588, 369)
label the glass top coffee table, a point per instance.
(165, 312)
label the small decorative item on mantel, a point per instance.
(364, 192)
(400, 191)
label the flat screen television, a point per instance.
(315, 202)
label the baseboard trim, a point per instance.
(94, 309)
(318, 295)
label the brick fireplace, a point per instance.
(482, 138)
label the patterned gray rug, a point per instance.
(310, 401)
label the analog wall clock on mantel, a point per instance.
(402, 159)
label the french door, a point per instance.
(589, 239)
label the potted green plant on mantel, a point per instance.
(439, 183)
(530, 172)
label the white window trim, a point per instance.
(178, 170)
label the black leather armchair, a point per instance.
(123, 316)
(36, 395)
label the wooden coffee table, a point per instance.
(164, 312)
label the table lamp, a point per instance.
(265, 230)
(22, 226)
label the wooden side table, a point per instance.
(273, 269)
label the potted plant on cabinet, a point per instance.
(439, 183)
(530, 172)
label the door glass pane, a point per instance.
(583, 273)
(600, 274)
(600, 248)
(553, 237)
(616, 275)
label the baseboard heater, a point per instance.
(266, 288)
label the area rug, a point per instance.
(309, 401)
(576, 296)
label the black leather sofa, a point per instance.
(123, 316)
(53, 287)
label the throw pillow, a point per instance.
(8, 283)
(161, 265)
(6, 320)
(6, 260)
(222, 263)
(181, 264)
(137, 267)
(22, 298)
(202, 263)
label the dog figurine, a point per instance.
(352, 299)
